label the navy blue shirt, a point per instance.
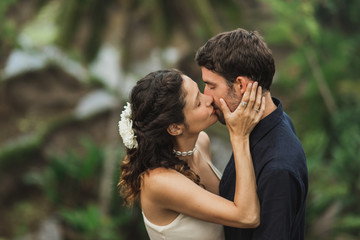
(282, 180)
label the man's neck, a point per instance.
(270, 106)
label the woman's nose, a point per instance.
(209, 99)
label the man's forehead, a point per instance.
(213, 78)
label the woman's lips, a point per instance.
(213, 111)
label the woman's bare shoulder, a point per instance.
(160, 178)
(161, 183)
(159, 174)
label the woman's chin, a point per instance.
(214, 121)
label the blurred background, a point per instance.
(66, 70)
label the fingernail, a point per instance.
(250, 84)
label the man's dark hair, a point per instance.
(238, 53)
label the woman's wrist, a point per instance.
(239, 138)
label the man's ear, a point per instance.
(241, 83)
(175, 129)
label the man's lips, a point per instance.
(216, 111)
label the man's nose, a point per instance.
(206, 90)
(209, 99)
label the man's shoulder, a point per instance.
(284, 165)
(282, 139)
(275, 168)
(278, 175)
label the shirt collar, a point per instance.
(266, 124)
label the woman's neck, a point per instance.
(185, 143)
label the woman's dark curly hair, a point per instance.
(157, 101)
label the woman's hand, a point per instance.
(249, 112)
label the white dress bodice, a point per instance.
(184, 227)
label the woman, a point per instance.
(168, 164)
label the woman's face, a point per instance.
(199, 112)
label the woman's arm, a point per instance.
(171, 190)
(240, 129)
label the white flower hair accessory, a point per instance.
(125, 128)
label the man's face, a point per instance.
(216, 86)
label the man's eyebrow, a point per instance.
(209, 82)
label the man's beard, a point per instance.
(232, 102)
(219, 114)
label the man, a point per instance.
(229, 61)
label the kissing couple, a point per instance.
(168, 168)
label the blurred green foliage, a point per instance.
(70, 183)
(7, 27)
(67, 174)
(70, 18)
(90, 224)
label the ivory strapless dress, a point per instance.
(184, 227)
